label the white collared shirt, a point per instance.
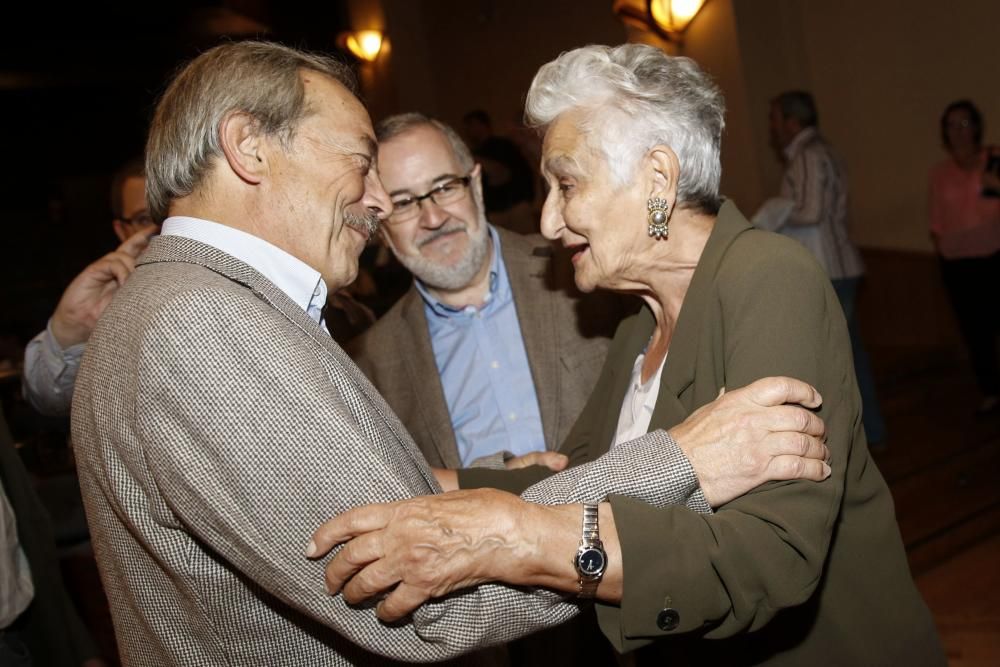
(303, 284)
(639, 402)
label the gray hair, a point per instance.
(635, 96)
(261, 79)
(393, 126)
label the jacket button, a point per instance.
(668, 619)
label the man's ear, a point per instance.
(243, 146)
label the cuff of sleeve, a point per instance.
(53, 351)
(494, 461)
(655, 603)
(513, 481)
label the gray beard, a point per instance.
(458, 276)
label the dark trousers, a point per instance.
(972, 284)
(871, 412)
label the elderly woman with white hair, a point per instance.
(794, 572)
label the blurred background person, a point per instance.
(814, 188)
(964, 218)
(52, 357)
(508, 179)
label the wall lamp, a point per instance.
(365, 44)
(667, 18)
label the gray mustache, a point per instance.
(366, 224)
(441, 231)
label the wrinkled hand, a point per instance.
(753, 435)
(90, 292)
(426, 547)
(551, 460)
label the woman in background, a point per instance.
(965, 227)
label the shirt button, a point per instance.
(668, 619)
(512, 416)
(494, 364)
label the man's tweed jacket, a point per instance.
(216, 426)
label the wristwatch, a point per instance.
(591, 559)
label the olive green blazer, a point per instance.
(797, 573)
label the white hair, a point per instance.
(633, 97)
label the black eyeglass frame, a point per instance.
(437, 189)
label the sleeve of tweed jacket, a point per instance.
(252, 445)
(652, 469)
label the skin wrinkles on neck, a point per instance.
(663, 278)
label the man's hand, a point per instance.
(429, 546)
(90, 292)
(753, 435)
(552, 460)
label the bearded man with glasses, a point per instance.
(511, 354)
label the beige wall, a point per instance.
(881, 71)
(451, 56)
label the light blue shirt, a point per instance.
(303, 284)
(484, 370)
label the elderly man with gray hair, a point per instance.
(795, 572)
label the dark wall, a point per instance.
(76, 94)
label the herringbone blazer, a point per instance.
(565, 334)
(216, 426)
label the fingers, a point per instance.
(551, 460)
(118, 266)
(356, 555)
(795, 467)
(789, 418)
(350, 524)
(135, 244)
(790, 443)
(777, 390)
(401, 602)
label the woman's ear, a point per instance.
(664, 171)
(244, 146)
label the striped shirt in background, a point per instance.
(815, 181)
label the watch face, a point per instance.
(591, 562)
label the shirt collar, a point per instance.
(499, 286)
(800, 140)
(303, 284)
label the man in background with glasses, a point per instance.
(516, 355)
(52, 357)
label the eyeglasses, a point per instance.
(141, 218)
(448, 192)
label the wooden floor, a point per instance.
(943, 466)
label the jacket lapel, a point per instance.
(421, 370)
(538, 330)
(180, 249)
(678, 374)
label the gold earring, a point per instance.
(659, 213)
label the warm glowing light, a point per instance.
(365, 44)
(674, 15)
